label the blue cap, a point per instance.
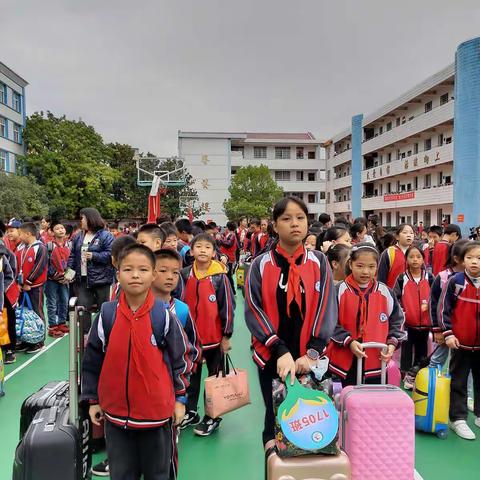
(14, 223)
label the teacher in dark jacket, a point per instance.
(91, 258)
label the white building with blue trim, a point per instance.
(12, 118)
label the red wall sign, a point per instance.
(394, 197)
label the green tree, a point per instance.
(253, 192)
(21, 197)
(72, 164)
(125, 189)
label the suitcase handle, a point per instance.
(383, 374)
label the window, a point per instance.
(17, 102)
(299, 152)
(404, 120)
(428, 180)
(448, 140)
(311, 198)
(428, 106)
(409, 153)
(237, 148)
(282, 175)
(415, 217)
(381, 189)
(322, 195)
(328, 175)
(311, 176)
(380, 131)
(428, 144)
(328, 197)
(3, 127)
(297, 194)
(409, 187)
(397, 123)
(259, 152)
(444, 99)
(233, 171)
(389, 219)
(448, 179)
(415, 183)
(427, 217)
(389, 187)
(17, 133)
(3, 160)
(299, 175)
(440, 178)
(403, 155)
(311, 155)
(389, 126)
(398, 154)
(440, 140)
(389, 158)
(282, 153)
(3, 93)
(415, 149)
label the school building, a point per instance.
(12, 118)
(295, 160)
(415, 159)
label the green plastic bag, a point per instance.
(306, 420)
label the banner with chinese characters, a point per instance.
(395, 197)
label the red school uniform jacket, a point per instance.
(414, 298)
(211, 303)
(392, 264)
(261, 309)
(459, 311)
(228, 246)
(380, 320)
(440, 256)
(32, 261)
(58, 259)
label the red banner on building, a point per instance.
(395, 197)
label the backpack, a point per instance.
(108, 313)
(181, 311)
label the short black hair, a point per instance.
(167, 253)
(452, 228)
(356, 229)
(199, 224)
(120, 243)
(256, 221)
(436, 229)
(169, 229)
(212, 224)
(231, 226)
(95, 222)
(136, 248)
(469, 247)
(203, 237)
(55, 223)
(29, 227)
(184, 226)
(281, 206)
(153, 230)
(324, 218)
(210, 227)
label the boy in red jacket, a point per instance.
(32, 261)
(209, 296)
(451, 234)
(135, 373)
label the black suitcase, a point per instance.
(56, 444)
(53, 394)
(54, 449)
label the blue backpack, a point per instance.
(181, 311)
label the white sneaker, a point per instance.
(461, 428)
(470, 403)
(477, 422)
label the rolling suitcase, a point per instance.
(378, 428)
(56, 444)
(307, 467)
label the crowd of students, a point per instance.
(166, 300)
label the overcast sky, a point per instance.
(138, 71)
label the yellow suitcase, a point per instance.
(431, 396)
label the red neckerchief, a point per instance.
(362, 295)
(294, 291)
(138, 348)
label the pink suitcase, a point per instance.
(394, 376)
(377, 424)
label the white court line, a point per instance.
(28, 362)
(417, 476)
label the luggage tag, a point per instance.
(308, 418)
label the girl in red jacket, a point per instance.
(290, 305)
(459, 319)
(412, 290)
(367, 312)
(393, 262)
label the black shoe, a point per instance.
(35, 348)
(207, 426)
(21, 347)
(190, 418)
(9, 357)
(101, 469)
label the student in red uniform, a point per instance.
(135, 373)
(367, 312)
(458, 317)
(210, 298)
(12, 237)
(451, 234)
(32, 261)
(56, 288)
(229, 247)
(392, 261)
(290, 305)
(412, 290)
(337, 256)
(46, 232)
(241, 232)
(434, 236)
(255, 229)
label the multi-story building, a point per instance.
(406, 158)
(295, 160)
(12, 118)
